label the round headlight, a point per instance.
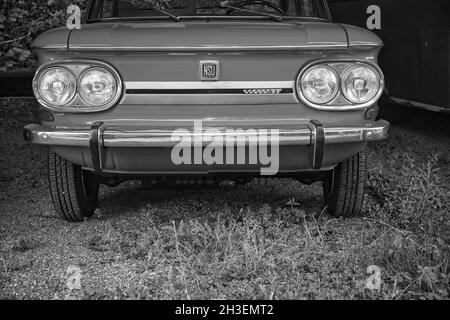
(98, 86)
(57, 86)
(319, 84)
(360, 84)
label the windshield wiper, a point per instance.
(225, 5)
(167, 13)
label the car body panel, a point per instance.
(157, 161)
(55, 39)
(192, 36)
(145, 53)
(164, 36)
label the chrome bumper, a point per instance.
(112, 137)
(101, 136)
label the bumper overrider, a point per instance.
(101, 137)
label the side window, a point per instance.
(94, 9)
(311, 8)
(108, 9)
(306, 7)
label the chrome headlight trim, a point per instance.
(77, 68)
(338, 83)
(368, 66)
(339, 102)
(118, 84)
(37, 79)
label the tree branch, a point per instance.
(15, 40)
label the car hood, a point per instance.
(207, 35)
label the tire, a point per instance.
(344, 187)
(74, 191)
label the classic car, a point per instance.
(153, 89)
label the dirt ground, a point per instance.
(267, 239)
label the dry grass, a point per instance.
(267, 240)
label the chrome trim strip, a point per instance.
(61, 137)
(209, 99)
(52, 47)
(161, 138)
(324, 46)
(165, 85)
(129, 137)
(287, 19)
(364, 44)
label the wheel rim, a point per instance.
(90, 185)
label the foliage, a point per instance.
(21, 21)
(411, 192)
(15, 113)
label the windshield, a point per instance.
(147, 9)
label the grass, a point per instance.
(264, 240)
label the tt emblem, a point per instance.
(209, 70)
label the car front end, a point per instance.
(207, 95)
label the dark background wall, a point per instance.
(416, 55)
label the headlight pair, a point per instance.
(341, 86)
(77, 87)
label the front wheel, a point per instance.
(74, 191)
(344, 187)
